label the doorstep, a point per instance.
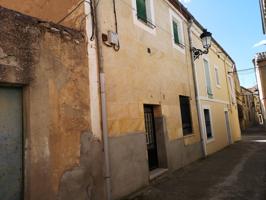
(157, 173)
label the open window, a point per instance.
(143, 14)
(177, 31)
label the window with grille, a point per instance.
(185, 115)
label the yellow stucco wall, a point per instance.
(134, 77)
(50, 10)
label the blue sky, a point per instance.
(236, 25)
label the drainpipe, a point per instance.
(103, 107)
(203, 142)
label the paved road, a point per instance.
(236, 173)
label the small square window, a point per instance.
(185, 115)
(177, 31)
(143, 15)
(144, 12)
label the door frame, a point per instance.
(23, 135)
(148, 106)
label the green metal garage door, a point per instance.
(11, 141)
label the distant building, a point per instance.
(260, 66)
(251, 112)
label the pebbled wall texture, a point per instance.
(63, 160)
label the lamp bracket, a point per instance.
(198, 52)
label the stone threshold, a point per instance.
(157, 173)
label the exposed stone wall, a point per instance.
(62, 158)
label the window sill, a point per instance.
(218, 86)
(210, 140)
(150, 28)
(179, 47)
(189, 135)
(210, 96)
(156, 173)
(146, 23)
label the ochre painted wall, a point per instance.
(49, 10)
(135, 77)
(62, 158)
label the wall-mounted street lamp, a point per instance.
(206, 39)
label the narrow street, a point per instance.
(237, 172)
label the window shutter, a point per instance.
(141, 10)
(176, 36)
(208, 77)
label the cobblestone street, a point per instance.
(237, 172)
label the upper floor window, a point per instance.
(177, 31)
(143, 14)
(217, 77)
(208, 78)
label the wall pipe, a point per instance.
(105, 133)
(203, 142)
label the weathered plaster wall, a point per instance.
(50, 10)
(135, 77)
(62, 158)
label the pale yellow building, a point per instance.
(215, 73)
(260, 67)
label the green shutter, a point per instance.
(141, 10)
(176, 36)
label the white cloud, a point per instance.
(262, 42)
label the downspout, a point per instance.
(203, 143)
(103, 107)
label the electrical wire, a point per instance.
(247, 69)
(71, 12)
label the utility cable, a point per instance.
(71, 12)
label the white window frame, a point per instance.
(217, 76)
(175, 17)
(150, 12)
(212, 139)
